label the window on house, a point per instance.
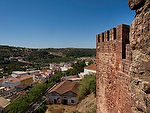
(72, 101)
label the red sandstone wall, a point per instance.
(113, 60)
(123, 72)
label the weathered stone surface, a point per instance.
(140, 33)
(146, 87)
(147, 65)
(140, 83)
(139, 96)
(136, 4)
(123, 65)
(113, 62)
(140, 66)
(140, 6)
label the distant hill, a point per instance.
(46, 53)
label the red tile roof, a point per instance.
(44, 70)
(1, 81)
(11, 79)
(92, 67)
(65, 87)
(24, 77)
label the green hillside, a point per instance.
(45, 54)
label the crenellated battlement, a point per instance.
(113, 62)
(123, 65)
(114, 39)
(113, 34)
(106, 36)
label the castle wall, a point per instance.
(123, 67)
(113, 60)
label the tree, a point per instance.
(56, 77)
(77, 68)
(90, 62)
(88, 85)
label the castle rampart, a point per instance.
(113, 60)
(123, 66)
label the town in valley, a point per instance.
(42, 82)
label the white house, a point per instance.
(65, 68)
(11, 82)
(18, 73)
(91, 69)
(46, 74)
(65, 93)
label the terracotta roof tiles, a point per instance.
(24, 77)
(66, 86)
(11, 79)
(92, 67)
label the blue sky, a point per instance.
(59, 23)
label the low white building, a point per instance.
(65, 68)
(64, 93)
(91, 69)
(46, 74)
(11, 82)
(18, 73)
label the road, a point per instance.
(36, 104)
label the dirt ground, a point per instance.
(85, 106)
(60, 109)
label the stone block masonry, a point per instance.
(123, 64)
(140, 65)
(113, 60)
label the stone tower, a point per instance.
(123, 64)
(113, 80)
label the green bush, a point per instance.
(77, 68)
(56, 77)
(41, 109)
(88, 85)
(93, 111)
(23, 102)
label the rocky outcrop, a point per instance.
(140, 66)
(140, 27)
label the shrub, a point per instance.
(88, 85)
(41, 109)
(23, 102)
(93, 111)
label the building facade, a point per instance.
(91, 69)
(64, 93)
